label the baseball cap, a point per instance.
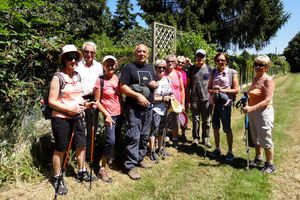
(201, 51)
(109, 57)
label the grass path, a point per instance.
(187, 175)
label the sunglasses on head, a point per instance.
(72, 56)
(260, 65)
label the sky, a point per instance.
(277, 44)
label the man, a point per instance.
(89, 69)
(137, 83)
(197, 80)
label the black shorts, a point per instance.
(62, 130)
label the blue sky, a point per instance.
(277, 44)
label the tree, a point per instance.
(123, 19)
(292, 53)
(241, 23)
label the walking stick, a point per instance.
(206, 139)
(243, 102)
(65, 159)
(92, 146)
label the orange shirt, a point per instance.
(256, 92)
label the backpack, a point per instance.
(230, 72)
(46, 109)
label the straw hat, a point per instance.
(176, 106)
(67, 49)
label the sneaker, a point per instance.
(206, 142)
(153, 156)
(104, 176)
(84, 176)
(60, 186)
(164, 153)
(175, 144)
(195, 142)
(184, 139)
(256, 162)
(268, 168)
(144, 165)
(133, 174)
(215, 154)
(229, 156)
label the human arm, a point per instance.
(56, 104)
(141, 99)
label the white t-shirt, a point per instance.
(89, 75)
(164, 88)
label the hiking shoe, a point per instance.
(195, 142)
(164, 153)
(256, 162)
(175, 144)
(60, 186)
(84, 176)
(215, 154)
(133, 174)
(153, 156)
(229, 156)
(206, 142)
(144, 165)
(184, 139)
(104, 176)
(268, 168)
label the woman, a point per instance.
(68, 107)
(162, 95)
(261, 113)
(222, 80)
(108, 100)
(177, 87)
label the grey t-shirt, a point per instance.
(199, 77)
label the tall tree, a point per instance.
(292, 53)
(123, 19)
(240, 23)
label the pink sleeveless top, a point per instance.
(110, 95)
(70, 95)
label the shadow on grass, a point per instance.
(237, 162)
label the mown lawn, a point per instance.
(187, 174)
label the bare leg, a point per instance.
(152, 143)
(57, 161)
(80, 154)
(217, 137)
(269, 155)
(258, 151)
(229, 137)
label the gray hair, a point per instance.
(159, 62)
(171, 56)
(89, 44)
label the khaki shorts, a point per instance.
(261, 123)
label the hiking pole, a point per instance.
(242, 103)
(92, 146)
(206, 139)
(65, 159)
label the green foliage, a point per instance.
(240, 23)
(292, 53)
(280, 65)
(189, 42)
(123, 19)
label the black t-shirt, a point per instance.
(199, 82)
(133, 73)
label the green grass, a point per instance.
(187, 175)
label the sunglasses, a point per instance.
(260, 65)
(161, 68)
(87, 52)
(221, 60)
(200, 56)
(72, 56)
(180, 63)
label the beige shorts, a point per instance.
(261, 123)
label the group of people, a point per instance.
(148, 90)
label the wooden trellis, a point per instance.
(164, 40)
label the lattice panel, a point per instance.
(164, 40)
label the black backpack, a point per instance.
(46, 109)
